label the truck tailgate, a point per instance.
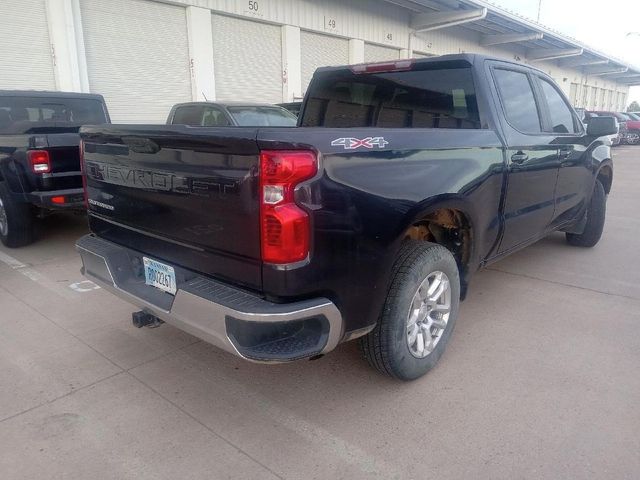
(186, 196)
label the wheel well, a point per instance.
(447, 227)
(605, 175)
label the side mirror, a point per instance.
(602, 126)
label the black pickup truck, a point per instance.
(366, 220)
(39, 156)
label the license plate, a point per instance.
(159, 275)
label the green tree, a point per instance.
(634, 107)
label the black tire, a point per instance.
(596, 213)
(19, 224)
(386, 347)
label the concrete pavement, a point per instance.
(540, 379)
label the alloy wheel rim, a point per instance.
(428, 314)
(4, 226)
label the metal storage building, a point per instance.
(146, 55)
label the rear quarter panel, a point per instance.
(363, 200)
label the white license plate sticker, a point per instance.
(159, 275)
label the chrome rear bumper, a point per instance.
(227, 317)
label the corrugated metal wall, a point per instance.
(461, 40)
(247, 58)
(320, 51)
(137, 57)
(25, 49)
(573, 94)
(415, 54)
(377, 53)
(372, 21)
(383, 23)
(131, 47)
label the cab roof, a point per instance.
(49, 94)
(469, 59)
(229, 104)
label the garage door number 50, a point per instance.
(253, 6)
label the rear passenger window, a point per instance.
(214, 118)
(432, 98)
(199, 116)
(188, 115)
(518, 100)
(562, 120)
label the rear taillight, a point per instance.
(285, 227)
(39, 161)
(83, 174)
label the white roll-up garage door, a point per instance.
(247, 59)
(376, 53)
(421, 55)
(137, 57)
(321, 51)
(25, 48)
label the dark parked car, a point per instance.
(293, 107)
(210, 114)
(633, 128)
(39, 156)
(629, 128)
(366, 221)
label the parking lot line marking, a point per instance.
(84, 286)
(34, 275)
(12, 262)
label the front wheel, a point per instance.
(419, 313)
(596, 213)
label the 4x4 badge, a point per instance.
(353, 143)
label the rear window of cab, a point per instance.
(428, 98)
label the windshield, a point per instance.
(20, 115)
(262, 116)
(633, 116)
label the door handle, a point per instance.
(564, 153)
(519, 158)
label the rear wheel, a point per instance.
(419, 313)
(596, 213)
(16, 220)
